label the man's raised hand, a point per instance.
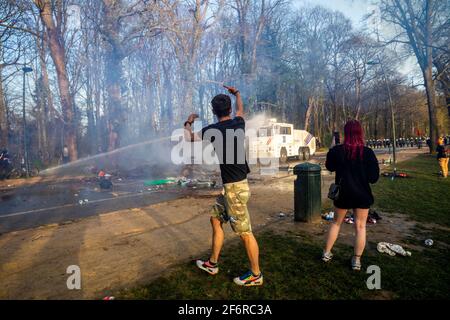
(239, 104)
(192, 117)
(231, 90)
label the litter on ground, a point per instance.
(395, 175)
(372, 218)
(196, 183)
(392, 249)
(328, 216)
(149, 183)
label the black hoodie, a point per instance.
(354, 177)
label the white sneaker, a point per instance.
(356, 263)
(207, 266)
(327, 256)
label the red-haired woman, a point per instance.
(356, 167)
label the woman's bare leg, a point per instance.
(360, 229)
(333, 232)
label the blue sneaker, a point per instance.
(249, 279)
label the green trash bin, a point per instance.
(307, 192)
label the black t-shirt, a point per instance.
(228, 140)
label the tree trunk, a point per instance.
(50, 114)
(41, 117)
(188, 87)
(168, 101)
(113, 73)
(113, 87)
(57, 52)
(358, 98)
(429, 86)
(428, 77)
(334, 121)
(375, 123)
(90, 114)
(308, 113)
(201, 95)
(259, 30)
(3, 116)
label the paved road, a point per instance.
(45, 203)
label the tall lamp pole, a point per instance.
(25, 148)
(391, 106)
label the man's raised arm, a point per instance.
(189, 135)
(239, 105)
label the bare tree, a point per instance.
(52, 19)
(9, 15)
(416, 24)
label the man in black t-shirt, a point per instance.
(228, 139)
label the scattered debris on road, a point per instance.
(196, 183)
(159, 182)
(104, 180)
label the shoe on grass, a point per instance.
(356, 263)
(327, 256)
(249, 280)
(207, 266)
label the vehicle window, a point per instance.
(264, 132)
(285, 130)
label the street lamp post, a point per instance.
(25, 148)
(391, 106)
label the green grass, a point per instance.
(292, 268)
(424, 196)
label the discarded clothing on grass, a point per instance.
(392, 249)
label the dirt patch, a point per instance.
(393, 228)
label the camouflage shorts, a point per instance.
(231, 206)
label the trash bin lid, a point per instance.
(306, 167)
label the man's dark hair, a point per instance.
(221, 105)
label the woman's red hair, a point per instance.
(353, 139)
